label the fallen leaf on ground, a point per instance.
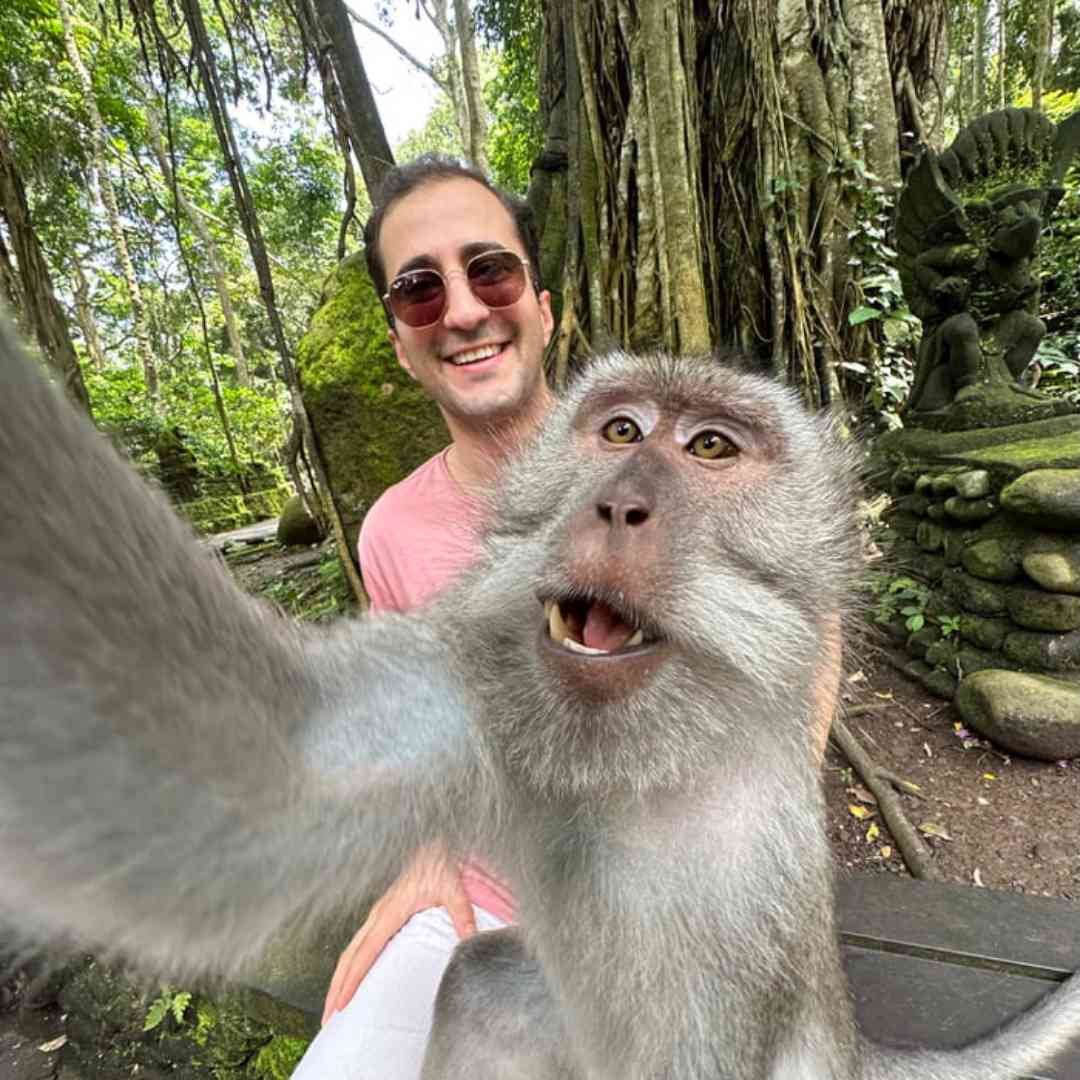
(885, 852)
(860, 812)
(863, 795)
(52, 1045)
(931, 828)
(872, 834)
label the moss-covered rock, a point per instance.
(1054, 563)
(914, 503)
(939, 682)
(1043, 652)
(921, 640)
(1026, 714)
(296, 527)
(942, 654)
(1035, 609)
(929, 536)
(991, 560)
(1048, 497)
(374, 424)
(972, 484)
(904, 524)
(973, 594)
(983, 632)
(970, 511)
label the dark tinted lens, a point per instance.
(497, 278)
(418, 298)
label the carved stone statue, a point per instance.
(968, 228)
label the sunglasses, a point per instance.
(419, 297)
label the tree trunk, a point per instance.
(365, 127)
(472, 83)
(209, 245)
(703, 169)
(245, 205)
(438, 12)
(85, 315)
(109, 201)
(12, 290)
(979, 94)
(42, 309)
(1044, 34)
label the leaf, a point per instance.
(859, 812)
(989, 776)
(179, 1005)
(977, 878)
(159, 1008)
(863, 795)
(53, 1044)
(885, 852)
(915, 622)
(931, 828)
(863, 314)
(872, 834)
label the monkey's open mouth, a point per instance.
(592, 627)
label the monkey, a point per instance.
(612, 708)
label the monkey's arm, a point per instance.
(182, 772)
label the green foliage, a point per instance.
(313, 593)
(881, 379)
(950, 624)
(439, 134)
(898, 597)
(515, 135)
(170, 1002)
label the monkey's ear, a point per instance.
(182, 772)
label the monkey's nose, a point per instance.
(623, 512)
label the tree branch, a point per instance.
(916, 854)
(427, 69)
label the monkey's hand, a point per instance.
(182, 771)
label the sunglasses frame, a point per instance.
(445, 278)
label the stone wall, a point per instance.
(990, 521)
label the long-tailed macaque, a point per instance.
(614, 709)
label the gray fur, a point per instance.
(183, 773)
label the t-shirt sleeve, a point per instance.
(370, 548)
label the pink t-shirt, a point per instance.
(420, 535)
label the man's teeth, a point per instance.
(473, 355)
(561, 633)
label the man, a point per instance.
(473, 335)
(457, 265)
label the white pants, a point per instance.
(383, 1032)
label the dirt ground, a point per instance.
(989, 819)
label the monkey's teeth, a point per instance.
(637, 639)
(557, 627)
(570, 643)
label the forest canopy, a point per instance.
(177, 181)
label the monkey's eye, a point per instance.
(711, 445)
(622, 430)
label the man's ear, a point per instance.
(399, 352)
(546, 318)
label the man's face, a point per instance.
(480, 365)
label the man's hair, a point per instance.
(403, 180)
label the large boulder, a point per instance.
(373, 423)
(1033, 715)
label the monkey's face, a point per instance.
(676, 537)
